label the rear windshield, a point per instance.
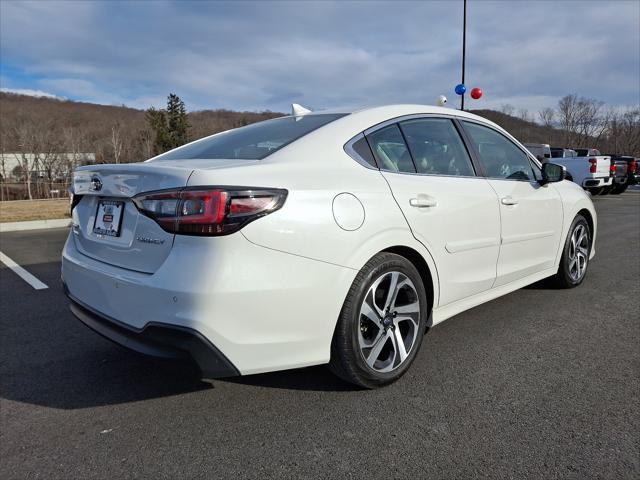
(253, 142)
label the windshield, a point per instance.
(253, 142)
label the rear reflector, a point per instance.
(209, 211)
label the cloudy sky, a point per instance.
(265, 55)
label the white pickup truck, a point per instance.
(591, 170)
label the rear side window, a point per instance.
(500, 156)
(253, 142)
(436, 147)
(390, 151)
(361, 148)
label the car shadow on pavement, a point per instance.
(544, 284)
(49, 358)
(317, 378)
(103, 376)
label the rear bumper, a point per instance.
(597, 182)
(262, 309)
(158, 340)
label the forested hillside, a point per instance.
(44, 126)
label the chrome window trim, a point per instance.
(432, 174)
(348, 147)
(403, 118)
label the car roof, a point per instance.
(362, 118)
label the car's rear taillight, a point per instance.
(612, 169)
(594, 165)
(208, 210)
(633, 166)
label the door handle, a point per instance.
(423, 201)
(508, 200)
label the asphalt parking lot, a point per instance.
(540, 383)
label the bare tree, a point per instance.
(547, 116)
(25, 137)
(568, 113)
(48, 157)
(507, 109)
(524, 114)
(116, 141)
(623, 132)
(584, 121)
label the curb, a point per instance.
(35, 225)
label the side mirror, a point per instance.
(552, 173)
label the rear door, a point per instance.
(531, 214)
(106, 224)
(450, 210)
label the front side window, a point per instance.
(436, 147)
(253, 142)
(390, 151)
(500, 157)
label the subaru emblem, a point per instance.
(96, 184)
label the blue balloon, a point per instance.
(461, 88)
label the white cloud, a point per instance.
(256, 55)
(31, 93)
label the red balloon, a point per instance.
(476, 93)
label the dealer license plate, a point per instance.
(108, 218)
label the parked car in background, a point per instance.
(592, 172)
(316, 238)
(562, 152)
(541, 151)
(619, 177)
(633, 173)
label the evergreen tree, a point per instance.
(170, 126)
(177, 120)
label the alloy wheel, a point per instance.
(578, 252)
(389, 319)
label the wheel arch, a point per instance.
(422, 266)
(589, 218)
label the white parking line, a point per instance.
(22, 273)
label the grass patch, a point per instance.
(24, 210)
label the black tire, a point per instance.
(618, 189)
(347, 355)
(565, 277)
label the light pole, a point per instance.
(464, 48)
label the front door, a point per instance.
(531, 214)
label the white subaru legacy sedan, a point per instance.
(335, 237)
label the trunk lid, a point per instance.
(108, 227)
